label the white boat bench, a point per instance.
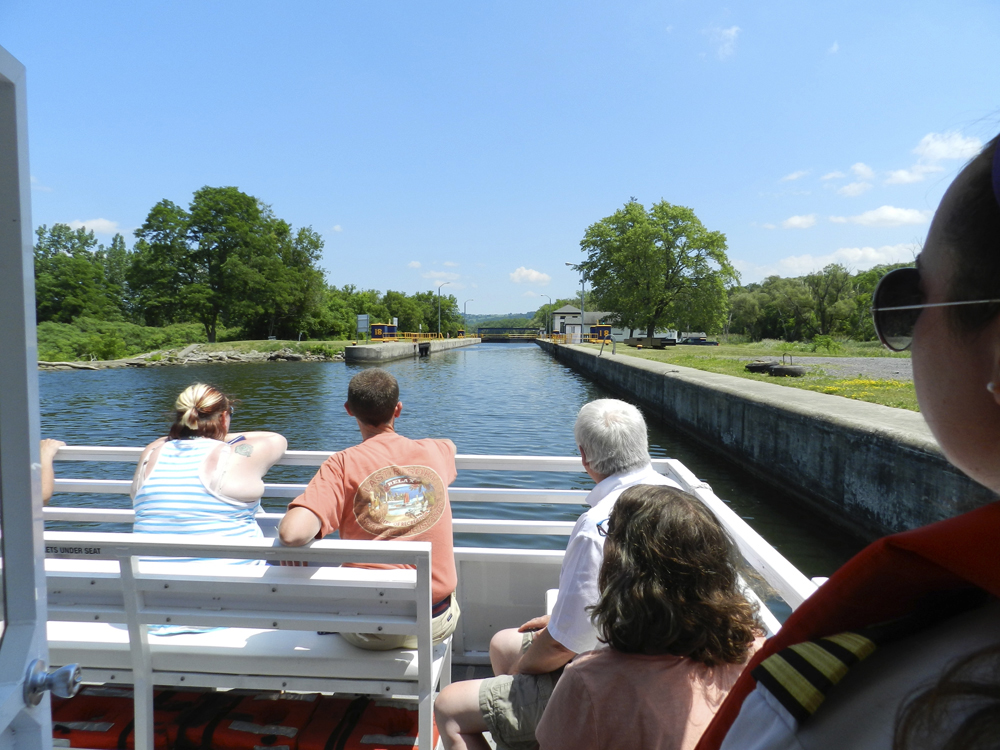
(103, 599)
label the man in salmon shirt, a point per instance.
(387, 487)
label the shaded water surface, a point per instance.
(489, 399)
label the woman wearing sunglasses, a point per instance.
(899, 649)
(201, 478)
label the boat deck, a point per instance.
(498, 587)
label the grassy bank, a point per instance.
(731, 359)
(87, 339)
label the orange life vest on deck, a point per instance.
(101, 717)
(246, 722)
(886, 580)
(362, 724)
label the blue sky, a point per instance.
(475, 142)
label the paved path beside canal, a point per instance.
(876, 368)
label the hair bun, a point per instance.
(190, 418)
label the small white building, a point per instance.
(567, 315)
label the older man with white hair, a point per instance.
(527, 661)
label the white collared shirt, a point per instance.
(570, 622)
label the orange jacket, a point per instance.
(884, 581)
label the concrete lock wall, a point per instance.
(873, 469)
(390, 350)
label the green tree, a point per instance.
(69, 276)
(115, 261)
(408, 311)
(451, 314)
(229, 232)
(746, 308)
(285, 284)
(168, 283)
(656, 268)
(228, 260)
(832, 293)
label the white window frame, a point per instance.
(24, 636)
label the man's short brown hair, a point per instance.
(372, 396)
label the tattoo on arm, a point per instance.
(244, 449)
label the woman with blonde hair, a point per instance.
(201, 478)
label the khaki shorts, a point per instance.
(512, 705)
(442, 626)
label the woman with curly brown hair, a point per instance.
(678, 627)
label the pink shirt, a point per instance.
(390, 487)
(607, 699)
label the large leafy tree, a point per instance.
(70, 279)
(115, 261)
(168, 284)
(451, 313)
(231, 241)
(227, 259)
(652, 269)
(408, 312)
(283, 284)
(832, 293)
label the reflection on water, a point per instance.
(489, 399)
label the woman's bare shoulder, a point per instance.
(152, 447)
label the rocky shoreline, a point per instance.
(192, 355)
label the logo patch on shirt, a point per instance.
(399, 501)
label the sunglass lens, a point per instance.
(896, 289)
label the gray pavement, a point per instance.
(877, 368)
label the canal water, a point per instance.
(489, 399)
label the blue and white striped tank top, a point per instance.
(174, 500)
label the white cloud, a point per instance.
(834, 49)
(530, 293)
(449, 264)
(441, 276)
(799, 222)
(795, 175)
(768, 226)
(530, 276)
(853, 189)
(935, 147)
(855, 258)
(337, 228)
(833, 176)
(950, 145)
(862, 171)
(37, 185)
(413, 264)
(725, 41)
(97, 226)
(885, 216)
(915, 174)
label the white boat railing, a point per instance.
(789, 583)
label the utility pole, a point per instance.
(465, 313)
(439, 305)
(583, 282)
(548, 314)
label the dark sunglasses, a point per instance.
(898, 302)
